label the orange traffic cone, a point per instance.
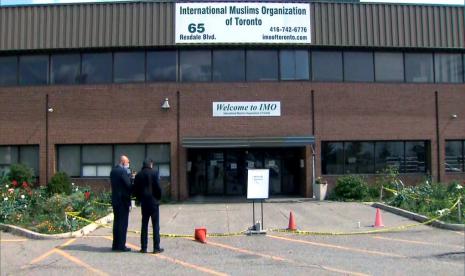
(292, 225)
(201, 234)
(378, 219)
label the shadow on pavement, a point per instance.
(88, 248)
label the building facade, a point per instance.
(369, 86)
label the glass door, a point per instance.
(273, 163)
(215, 173)
(197, 172)
(235, 178)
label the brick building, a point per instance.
(369, 86)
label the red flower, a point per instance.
(87, 195)
(15, 183)
(25, 184)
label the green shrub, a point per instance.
(60, 183)
(430, 199)
(386, 178)
(21, 173)
(351, 187)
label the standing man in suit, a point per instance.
(120, 201)
(148, 192)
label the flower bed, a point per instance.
(427, 198)
(39, 210)
(431, 200)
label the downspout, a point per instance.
(438, 150)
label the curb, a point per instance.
(38, 236)
(419, 218)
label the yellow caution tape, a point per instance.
(389, 229)
(166, 235)
(101, 203)
(298, 232)
(74, 215)
(411, 196)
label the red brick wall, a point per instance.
(131, 113)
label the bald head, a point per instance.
(124, 160)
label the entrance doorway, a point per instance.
(224, 171)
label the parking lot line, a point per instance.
(67, 256)
(17, 240)
(50, 252)
(177, 261)
(277, 258)
(416, 242)
(79, 262)
(371, 252)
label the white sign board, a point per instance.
(243, 109)
(234, 22)
(258, 181)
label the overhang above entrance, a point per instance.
(247, 142)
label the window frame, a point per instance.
(19, 157)
(16, 57)
(180, 71)
(247, 69)
(344, 62)
(144, 66)
(402, 162)
(113, 146)
(309, 73)
(244, 67)
(462, 143)
(112, 74)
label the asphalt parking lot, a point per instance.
(420, 250)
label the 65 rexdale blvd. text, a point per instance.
(242, 23)
(241, 109)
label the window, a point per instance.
(359, 157)
(98, 160)
(415, 157)
(389, 67)
(358, 66)
(136, 153)
(448, 68)
(455, 156)
(27, 155)
(8, 70)
(326, 66)
(195, 65)
(294, 64)
(129, 67)
(8, 157)
(69, 159)
(389, 154)
(33, 70)
(262, 65)
(229, 65)
(161, 65)
(160, 154)
(97, 68)
(363, 157)
(65, 68)
(419, 67)
(333, 158)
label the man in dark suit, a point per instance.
(148, 192)
(120, 200)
